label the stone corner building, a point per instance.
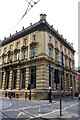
(25, 58)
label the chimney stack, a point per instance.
(43, 16)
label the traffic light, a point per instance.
(56, 76)
(29, 86)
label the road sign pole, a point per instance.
(60, 94)
(30, 95)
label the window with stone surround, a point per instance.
(61, 59)
(24, 41)
(50, 39)
(66, 62)
(4, 59)
(50, 52)
(24, 56)
(17, 44)
(22, 83)
(56, 55)
(14, 79)
(17, 56)
(56, 44)
(33, 52)
(9, 58)
(5, 50)
(33, 76)
(11, 47)
(33, 38)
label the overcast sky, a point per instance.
(62, 14)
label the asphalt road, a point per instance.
(18, 108)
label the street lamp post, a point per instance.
(71, 93)
(60, 92)
(50, 99)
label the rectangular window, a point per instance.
(5, 49)
(33, 76)
(10, 47)
(50, 39)
(65, 61)
(25, 41)
(61, 59)
(50, 52)
(56, 55)
(17, 44)
(69, 64)
(33, 38)
(33, 52)
(56, 44)
(17, 56)
(4, 60)
(9, 58)
(24, 54)
(51, 76)
(14, 79)
(22, 84)
(65, 50)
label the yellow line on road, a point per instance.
(29, 107)
(21, 114)
(40, 115)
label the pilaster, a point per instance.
(65, 82)
(4, 80)
(10, 80)
(27, 78)
(18, 80)
(69, 82)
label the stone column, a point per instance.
(65, 82)
(73, 84)
(18, 80)
(4, 80)
(69, 83)
(27, 78)
(10, 80)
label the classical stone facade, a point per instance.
(31, 56)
